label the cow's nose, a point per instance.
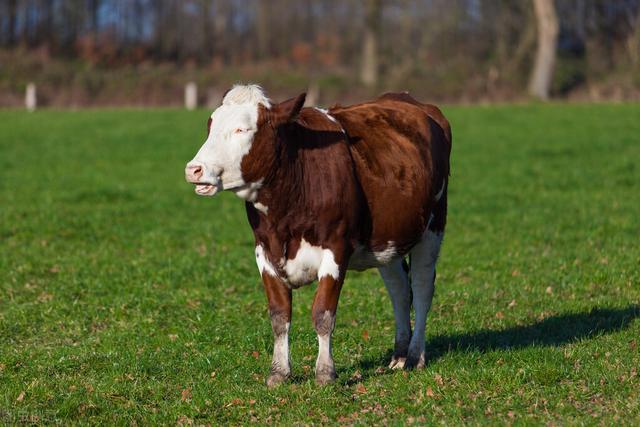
(193, 173)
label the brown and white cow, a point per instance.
(326, 191)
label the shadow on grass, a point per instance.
(553, 331)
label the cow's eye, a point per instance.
(240, 130)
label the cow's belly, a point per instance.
(311, 262)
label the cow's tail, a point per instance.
(405, 264)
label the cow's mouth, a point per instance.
(206, 189)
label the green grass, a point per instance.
(126, 298)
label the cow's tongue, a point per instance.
(206, 189)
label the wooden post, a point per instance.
(30, 99)
(191, 96)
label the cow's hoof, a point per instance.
(326, 376)
(397, 362)
(415, 361)
(276, 378)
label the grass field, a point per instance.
(126, 298)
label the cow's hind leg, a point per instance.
(423, 275)
(397, 282)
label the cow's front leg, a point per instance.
(324, 309)
(279, 296)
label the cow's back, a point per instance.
(400, 149)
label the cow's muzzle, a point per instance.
(194, 174)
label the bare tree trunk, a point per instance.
(525, 44)
(46, 34)
(633, 42)
(207, 29)
(94, 6)
(139, 19)
(26, 24)
(221, 20)
(373, 21)
(547, 22)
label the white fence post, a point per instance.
(30, 99)
(190, 96)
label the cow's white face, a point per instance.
(233, 128)
(217, 165)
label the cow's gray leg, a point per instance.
(397, 283)
(279, 296)
(325, 304)
(423, 274)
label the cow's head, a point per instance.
(240, 143)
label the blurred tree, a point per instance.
(94, 8)
(11, 26)
(262, 28)
(633, 43)
(547, 23)
(207, 48)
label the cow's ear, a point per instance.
(287, 111)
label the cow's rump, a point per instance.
(400, 149)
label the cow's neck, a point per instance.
(291, 183)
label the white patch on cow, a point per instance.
(328, 266)
(263, 263)
(310, 263)
(248, 192)
(439, 195)
(363, 258)
(326, 113)
(330, 117)
(281, 357)
(324, 351)
(262, 208)
(233, 126)
(387, 254)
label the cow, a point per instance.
(326, 191)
